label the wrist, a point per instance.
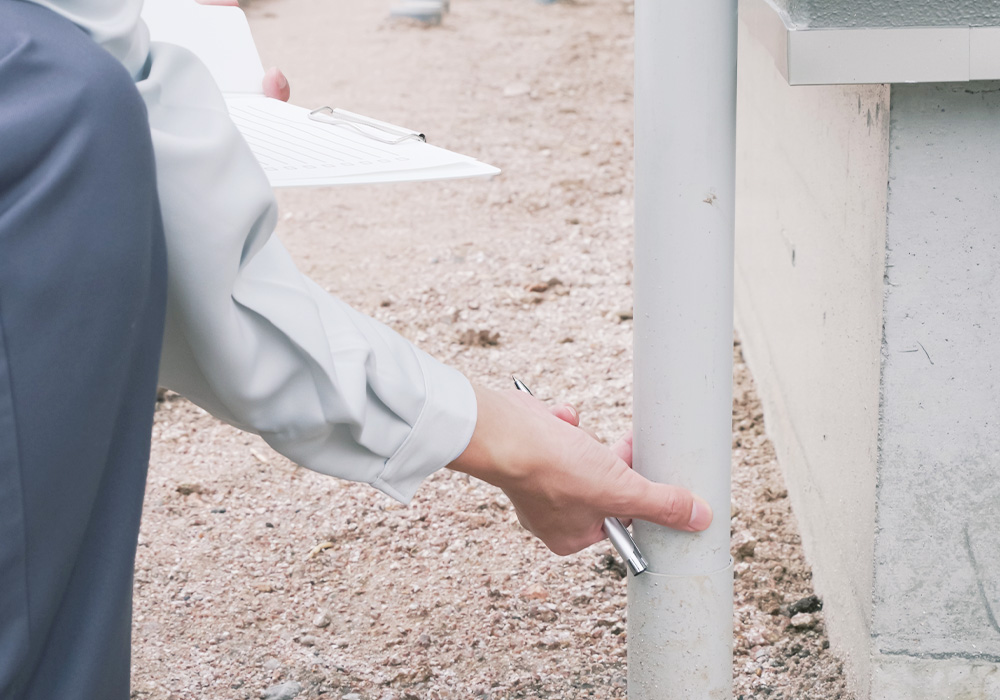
(499, 451)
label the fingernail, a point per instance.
(282, 81)
(572, 412)
(701, 515)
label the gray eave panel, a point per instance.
(815, 14)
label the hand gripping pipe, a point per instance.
(680, 612)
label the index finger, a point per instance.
(623, 448)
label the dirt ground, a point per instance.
(256, 578)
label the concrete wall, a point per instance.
(892, 13)
(868, 298)
(810, 213)
(937, 581)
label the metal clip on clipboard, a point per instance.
(395, 135)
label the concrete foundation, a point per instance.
(937, 549)
(868, 300)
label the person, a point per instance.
(135, 243)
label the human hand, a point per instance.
(622, 448)
(562, 481)
(275, 84)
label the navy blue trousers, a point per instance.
(82, 296)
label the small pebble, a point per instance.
(282, 691)
(809, 604)
(744, 544)
(535, 591)
(482, 338)
(803, 621)
(607, 562)
(516, 90)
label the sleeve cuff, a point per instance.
(440, 434)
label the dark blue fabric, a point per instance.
(82, 294)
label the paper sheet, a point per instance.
(293, 149)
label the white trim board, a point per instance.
(852, 56)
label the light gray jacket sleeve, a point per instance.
(256, 343)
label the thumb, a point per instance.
(275, 85)
(666, 504)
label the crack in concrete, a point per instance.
(979, 581)
(944, 655)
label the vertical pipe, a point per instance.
(680, 612)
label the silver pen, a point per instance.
(613, 527)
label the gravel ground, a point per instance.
(256, 578)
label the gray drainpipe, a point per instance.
(680, 613)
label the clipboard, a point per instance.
(298, 147)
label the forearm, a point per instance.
(255, 342)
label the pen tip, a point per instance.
(519, 385)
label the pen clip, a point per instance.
(338, 117)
